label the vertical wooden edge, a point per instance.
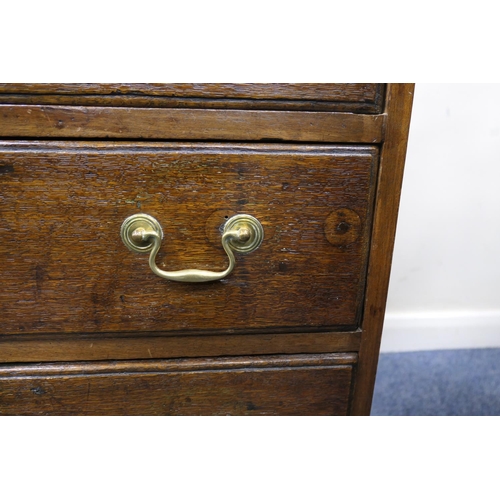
(398, 105)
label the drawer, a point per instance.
(273, 385)
(350, 97)
(65, 269)
(90, 327)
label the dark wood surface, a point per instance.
(276, 385)
(193, 124)
(102, 346)
(65, 269)
(76, 301)
(351, 97)
(399, 104)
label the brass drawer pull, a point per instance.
(143, 233)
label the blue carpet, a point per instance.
(452, 382)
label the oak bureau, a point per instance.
(196, 249)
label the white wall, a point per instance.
(445, 282)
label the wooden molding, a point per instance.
(25, 121)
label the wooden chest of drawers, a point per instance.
(293, 328)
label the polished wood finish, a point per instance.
(183, 124)
(275, 385)
(88, 329)
(399, 103)
(102, 346)
(350, 97)
(63, 206)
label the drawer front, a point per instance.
(277, 385)
(64, 267)
(352, 97)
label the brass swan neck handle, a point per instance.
(143, 233)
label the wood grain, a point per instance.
(77, 302)
(273, 385)
(193, 124)
(65, 269)
(399, 103)
(102, 346)
(350, 97)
